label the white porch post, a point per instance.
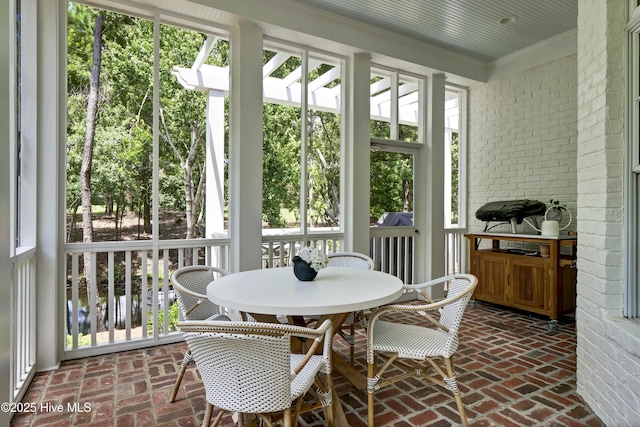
(215, 162)
(215, 170)
(245, 150)
(51, 179)
(6, 273)
(356, 159)
(429, 187)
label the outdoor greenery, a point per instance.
(121, 163)
(110, 140)
(121, 168)
(174, 318)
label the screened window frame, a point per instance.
(14, 114)
(397, 77)
(462, 93)
(150, 14)
(631, 307)
(23, 132)
(307, 54)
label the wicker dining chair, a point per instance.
(351, 260)
(248, 367)
(435, 338)
(190, 284)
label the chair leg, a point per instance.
(352, 344)
(296, 413)
(187, 359)
(325, 394)
(351, 341)
(206, 421)
(452, 385)
(287, 417)
(263, 420)
(218, 418)
(371, 373)
(329, 411)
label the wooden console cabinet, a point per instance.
(522, 279)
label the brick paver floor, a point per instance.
(512, 370)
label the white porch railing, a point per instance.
(130, 286)
(279, 249)
(132, 297)
(392, 250)
(23, 328)
(454, 251)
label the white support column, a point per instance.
(6, 273)
(29, 117)
(429, 198)
(245, 150)
(51, 181)
(215, 163)
(356, 158)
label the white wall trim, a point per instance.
(6, 272)
(546, 51)
(331, 27)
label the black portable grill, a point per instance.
(511, 211)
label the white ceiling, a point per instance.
(467, 26)
(461, 38)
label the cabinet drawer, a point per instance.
(492, 277)
(528, 286)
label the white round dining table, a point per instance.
(335, 292)
(277, 291)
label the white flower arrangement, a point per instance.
(314, 257)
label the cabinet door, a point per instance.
(491, 270)
(529, 284)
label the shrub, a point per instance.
(174, 317)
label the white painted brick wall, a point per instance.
(557, 131)
(523, 139)
(608, 345)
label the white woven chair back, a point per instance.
(244, 373)
(351, 260)
(451, 314)
(194, 280)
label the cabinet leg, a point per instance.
(553, 325)
(472, 303)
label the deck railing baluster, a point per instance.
(127, 294)
(111, 307)
(22, 368)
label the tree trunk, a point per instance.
(71, 234)
(87, 158)
(407, 196)
(117, 221)
(147, 214)
(193, 197)
(108, 209)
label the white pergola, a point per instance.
(324, 94)
(393, 99)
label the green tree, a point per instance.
(455, 171)
(124, 140)
(391, 174)
(324, 168)
(391, 183)
(281, 163)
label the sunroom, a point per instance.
(311, 126)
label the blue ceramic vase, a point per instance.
(303, 270)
